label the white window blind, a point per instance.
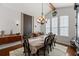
(64, 25)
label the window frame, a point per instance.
(58, 26)
(64, 26)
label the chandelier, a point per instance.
(41, 19)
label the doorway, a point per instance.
(27, 24)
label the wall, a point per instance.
(69, 11)
(9, 17)
(37, 26)
(8, 20)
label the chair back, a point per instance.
(51, 38)
(46, 41)
(26, 46)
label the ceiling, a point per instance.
(34, 9)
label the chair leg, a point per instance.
(44, 52)
(47, 50)
(28, 53)
(37, 53)
(54, 43)
(25, 54)
(50, 48)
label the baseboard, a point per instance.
(63, 44)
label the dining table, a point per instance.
(36, 43)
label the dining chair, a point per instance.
(26, 47)
(45, 48)
(52, 39)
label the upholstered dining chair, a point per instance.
(45, 48)
(26, 47)
(52, 41)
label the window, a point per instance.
(64, 25)
(48, 26)
(55, 25)
(58, 25)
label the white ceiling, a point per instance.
(34, 9)
(59, 5)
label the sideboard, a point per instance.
(9, 43)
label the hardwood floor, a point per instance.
(71, 51)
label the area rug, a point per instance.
(59, 50)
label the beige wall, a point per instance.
(37, 26)
(8, 20)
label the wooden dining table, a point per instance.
(36, 43)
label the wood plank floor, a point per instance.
(71, 51)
